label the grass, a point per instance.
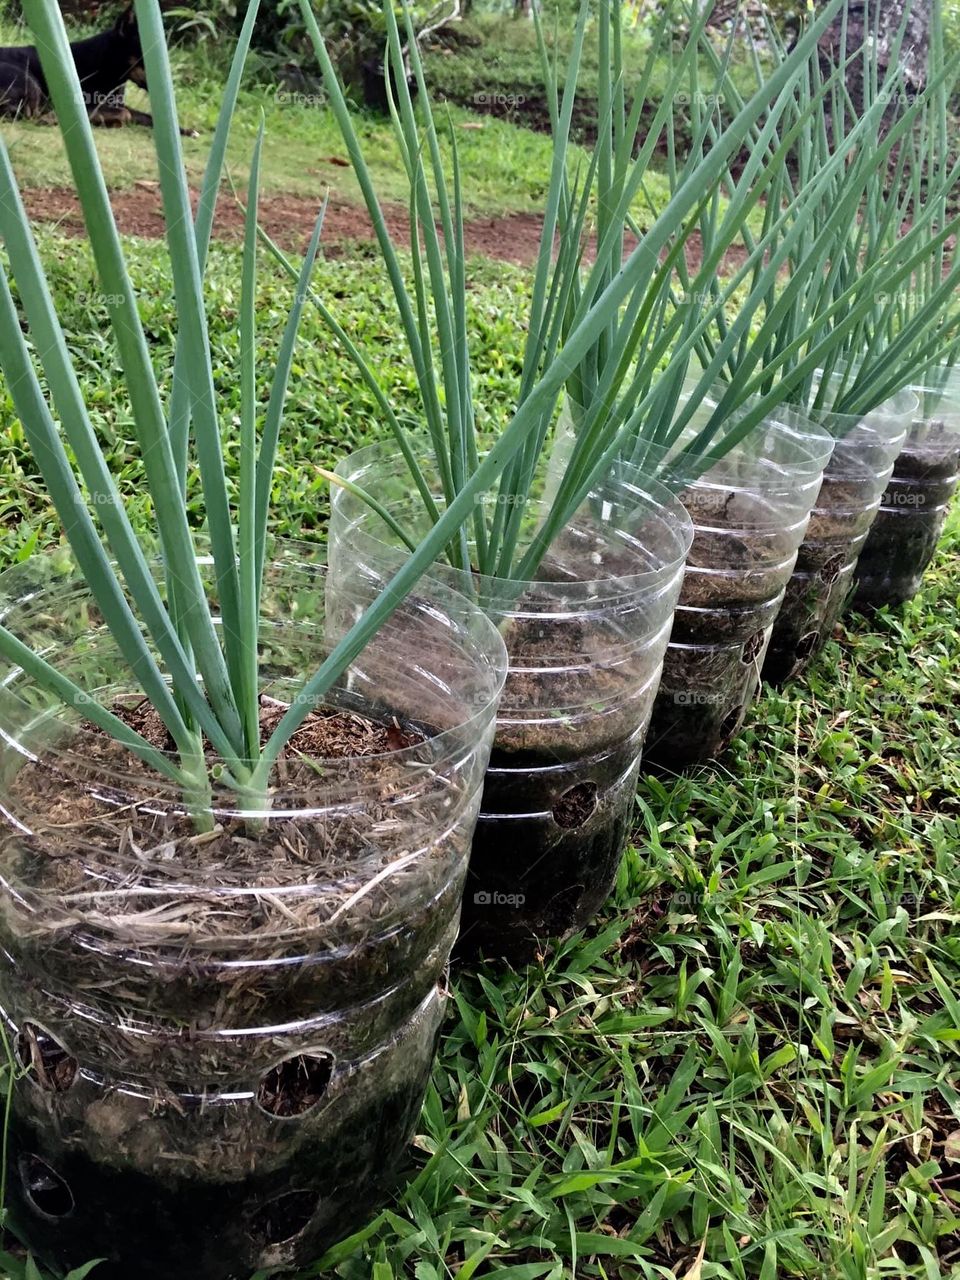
(492, 64)
(509, 166)
(753, 1059)
(329, 411)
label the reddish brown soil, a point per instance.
(289, 220)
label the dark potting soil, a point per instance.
(934, 457)
(905, 535)
(174, 1181)
(559, 792)
(897, 554)
(326, 734)
(703, 700)
(535, 878)
(841, 519)
(546, 850)
(189, 938)
(712, 667)
(731, 578)
(597, 667)
(822, 581)
(727, 613)
(727, 600)
(71, 1209)
(811, 609)
(742, 553)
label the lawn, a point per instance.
(750, 1068)
(305, 154)
(494, 65)
(509, 165)
(329, 412)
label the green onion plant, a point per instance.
(866, 298)
(599, 331)
(196, 662)
(727, 320)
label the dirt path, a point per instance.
(289, 220)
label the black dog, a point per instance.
(104, 63)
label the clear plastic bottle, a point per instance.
(585, 642)
(843, 515)
(915, 504)
(750, 512)
(227, 1035)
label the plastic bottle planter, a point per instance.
(585, 645)
(227, 1037)
(750, 512)
(843, 516)
(914, 507)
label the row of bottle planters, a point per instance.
(226, 1040)
(658, 615)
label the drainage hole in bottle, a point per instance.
(832, 569)
(753, 648)
(45, 1060)
(283, 1219)
(296, 1085)
(44, 1190)
(575, 806)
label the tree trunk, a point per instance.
(886, 18)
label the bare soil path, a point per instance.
(289, 220)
